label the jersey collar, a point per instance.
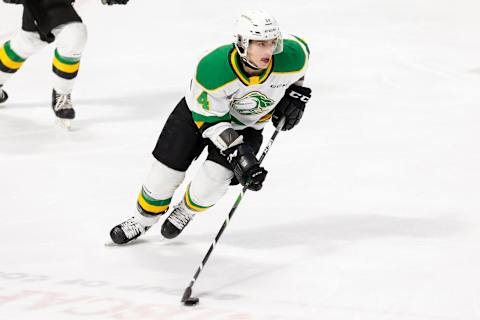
(247, 80)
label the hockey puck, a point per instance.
(192, 301)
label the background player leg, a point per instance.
(208, 186)
(13, 54)
(70, 42)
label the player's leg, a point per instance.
(13, 54)
(58, 21)
(208, 186)
(179, 144)
(152, 202)
(70, 42)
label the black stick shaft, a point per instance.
(188, 290)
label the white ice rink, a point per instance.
(370, 210)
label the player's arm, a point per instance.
(292, 105)
(239, 155)
(211, 115)
(300, 81)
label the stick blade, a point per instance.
(192, 301)
(186, 294)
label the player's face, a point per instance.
(261, 52)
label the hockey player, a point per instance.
(236, 89)
(43, 22)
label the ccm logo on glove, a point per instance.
(299, 96)
(291, 106)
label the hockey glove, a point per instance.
(245, 166)
(112, 2)
(13, 1)
(291, 106)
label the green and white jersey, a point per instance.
(220, 91)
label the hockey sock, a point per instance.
(65, 67)
(158, 189)
(193, 205)
(208, 186)
(10, 62)
(70, 42)
(149, 206)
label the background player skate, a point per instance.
(236, 89)
(43, 22)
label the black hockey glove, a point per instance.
(245, 166)
(112, 2)
(13, 1)
(291, 106)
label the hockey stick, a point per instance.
(187, 299)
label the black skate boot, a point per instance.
(3, 95)
(177, 221)
(132, 228)
(62, 106)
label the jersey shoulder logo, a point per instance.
(252, 103)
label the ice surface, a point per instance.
(371, 206)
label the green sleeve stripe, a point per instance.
(65, 60)
(304, 43)
(210, 119)
(11, 54)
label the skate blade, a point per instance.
(110, 243)
(64, 123)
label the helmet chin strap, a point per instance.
(243, 55)
(250, 64)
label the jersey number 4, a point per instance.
(203, 100)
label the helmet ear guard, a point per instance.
(241, 48)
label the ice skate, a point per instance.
(177, 221)
(3, 95)
(132, 228)
(62, 106)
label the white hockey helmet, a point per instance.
(256, 25)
